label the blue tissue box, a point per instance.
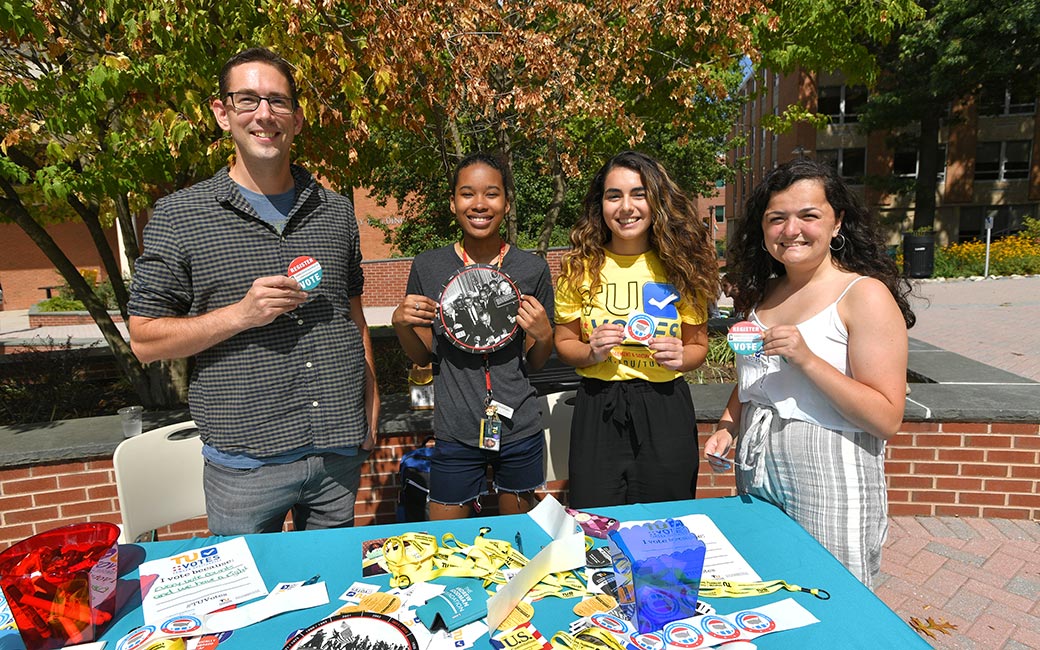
(657, 569)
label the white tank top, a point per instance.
(771, 381)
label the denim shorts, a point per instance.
(458, 472)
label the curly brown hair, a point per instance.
(680, 238)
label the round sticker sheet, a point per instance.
(478, 309)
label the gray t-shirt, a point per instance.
(458, 376)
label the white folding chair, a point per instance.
(159, 479)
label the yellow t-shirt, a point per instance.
(631, 285)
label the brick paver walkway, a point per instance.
(982, 575)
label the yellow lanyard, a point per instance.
(417, 557)
(591, 639)
(729, 589)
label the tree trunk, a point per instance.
(558, 197)
(505, 145)
(157, 387)
(927, 171)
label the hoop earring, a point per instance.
(763, 245)
(842, 243)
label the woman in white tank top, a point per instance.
(811, 414)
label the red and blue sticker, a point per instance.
(306, 271)
(745, 338)
(640, 328)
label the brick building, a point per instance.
(989, 162)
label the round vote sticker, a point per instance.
(305, 270)
(745, 337)
(640, 328)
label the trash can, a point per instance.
(918, 255)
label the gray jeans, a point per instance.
(319, 490)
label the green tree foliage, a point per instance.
(104, 104)
(554, 86)
(104, 107)
(930, 70)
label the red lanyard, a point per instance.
(487, 380)
(487, 362)
(501, 254)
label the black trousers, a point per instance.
(632, 441)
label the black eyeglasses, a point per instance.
(249, 102)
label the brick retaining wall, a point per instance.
(385, 280)
(934, 469)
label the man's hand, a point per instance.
(269, 298)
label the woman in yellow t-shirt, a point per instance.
(631, 314)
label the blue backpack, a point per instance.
(413, 500)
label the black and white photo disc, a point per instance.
(478, 309)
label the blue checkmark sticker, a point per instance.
(660, 300)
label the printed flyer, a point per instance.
(199, 581)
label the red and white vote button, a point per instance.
(640, 328)
(745, 337)
(305, 270)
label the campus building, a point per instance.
(989, 160)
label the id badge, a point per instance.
(491, 433)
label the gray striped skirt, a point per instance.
(831, 482)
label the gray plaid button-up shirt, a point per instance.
(298, 382)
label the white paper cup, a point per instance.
(130, 416)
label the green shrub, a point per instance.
(65, 300)
(55, 381)
(719, 366)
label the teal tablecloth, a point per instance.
(771, 542)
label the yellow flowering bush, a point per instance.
(1010, 255)
(1014, 254)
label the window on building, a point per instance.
(1017, 98)
(1002, 161)
(905, 164)
(842, 104)
(720, 213)
(1007, 219)
(849, 163)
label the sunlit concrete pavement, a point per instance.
(995, 321)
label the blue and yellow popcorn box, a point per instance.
(657, 569)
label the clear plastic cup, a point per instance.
(61, 584)
(130, 416)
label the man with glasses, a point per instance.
(283, 388)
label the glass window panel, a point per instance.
(1016, 159)
(1021, 97)
(853, 164)
(904, 163)
(828, 157)
(987, 161)
(829, 102)
(855, 100)
(992, 100)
